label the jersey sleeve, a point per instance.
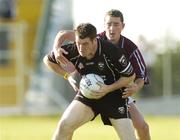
(136, 59)
(139, 65)
(124, 66)
(121, 62)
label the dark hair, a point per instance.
(115, 13)
(84, 30)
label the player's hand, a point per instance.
(130, 90)
(101, 92)
(74, 79)
(59, 56)
(73, 83)
(63, 61)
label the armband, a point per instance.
(66, 75)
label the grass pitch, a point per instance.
(42, 127)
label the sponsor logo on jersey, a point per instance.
(121, 110)
(80, 66)
(123, 60)
(101, 65)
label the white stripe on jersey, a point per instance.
(140, 64)
(125, 70)
(129, 64)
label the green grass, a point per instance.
(42, 127)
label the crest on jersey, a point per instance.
(123, 60)
(80, 66)
(101, 65)
(121, 110)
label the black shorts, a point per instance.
(109, 106)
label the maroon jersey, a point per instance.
(135, 57)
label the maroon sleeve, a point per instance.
(136, 59)
(139, 65)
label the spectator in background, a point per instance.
(7, 14)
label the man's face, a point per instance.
(113, 27)
(86, 47)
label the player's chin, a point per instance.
(112, 39)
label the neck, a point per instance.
(114, 42)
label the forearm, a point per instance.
(122, 82)
(54, 67)
(140, 83)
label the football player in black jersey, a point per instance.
(92, 55)
(114, 24)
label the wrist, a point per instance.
(139, 83)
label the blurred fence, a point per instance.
(12, 64)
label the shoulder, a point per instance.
(128, 46)
(129, 43)
(106, 45)
(71, 49)
(108, 48)
(102, 35)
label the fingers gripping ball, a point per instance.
(89, 83)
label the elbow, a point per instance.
(61, 33)
(45, 60)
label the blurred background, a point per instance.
(27, 31)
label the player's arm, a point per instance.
(133, 88)
(106, 89)
(72, 76)
(139, 66)
(125, 69)
(140, 83)
(61, 38)
(122, 82)
(54, 66)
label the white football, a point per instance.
(88, 84)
